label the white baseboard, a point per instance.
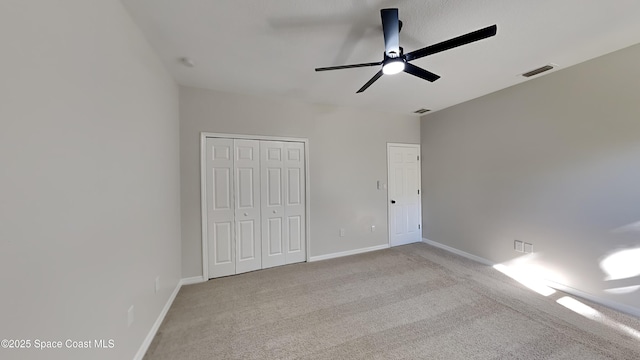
(154, 329)
(459, 252)
(550, 283)
(192, 280)
(348, 252)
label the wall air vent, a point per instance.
(537, 71)
(421, 111)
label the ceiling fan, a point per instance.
(395, 60)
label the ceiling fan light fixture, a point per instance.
(393, 66)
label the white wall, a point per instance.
(89, 179)
(555, 162)
(347, 149)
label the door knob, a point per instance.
(246, 214)
(393, 201)
(275, 211)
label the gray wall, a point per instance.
(554, 161)
(89, 179)
(347, 151)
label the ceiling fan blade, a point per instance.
(391, 30)
(349, 66)
(373, 79)
(452, 43)
(420, 72)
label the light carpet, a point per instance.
(409, 302)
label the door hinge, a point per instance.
(418, 226)
(418, 191)
(418, 157)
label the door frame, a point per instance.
(417, 146)
(203, 187)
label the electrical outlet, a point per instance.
(518, 246)
(528, 248)
(157, 284)
(342, 232)
(130, 316)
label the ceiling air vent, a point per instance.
(537, 71)
(421, 111)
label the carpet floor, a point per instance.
(408, 302)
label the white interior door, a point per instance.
(247, 205)
(294, 184)
(272, 203)
(220, 213)
(404, 194)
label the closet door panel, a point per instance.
(295, 202)
(272, 196)
(220, 209)
(247, 205)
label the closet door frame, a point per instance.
(203, 187)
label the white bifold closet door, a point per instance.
(255, 199)
(283, 203)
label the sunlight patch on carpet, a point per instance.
(595, 315)
(530, 281)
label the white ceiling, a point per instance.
(271, 47)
